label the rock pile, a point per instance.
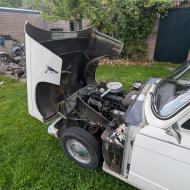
(18, 70)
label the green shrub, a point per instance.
(130, 21)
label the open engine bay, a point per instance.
(100, 109)
(91, 119)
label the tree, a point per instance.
(131, 21)
(11, 3)
(73, 10)
(128, 20)
(30, 4)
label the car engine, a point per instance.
(98, 106)
(109, 99)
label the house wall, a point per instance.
(12, 22)
(151, 40)
(59, 24)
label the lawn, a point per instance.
(31, 159)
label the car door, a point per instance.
(159, 161)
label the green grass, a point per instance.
(130, 73)
(31, 159)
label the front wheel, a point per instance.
(82, 147)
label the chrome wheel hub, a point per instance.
(78, 151)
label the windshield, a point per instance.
(173, 92)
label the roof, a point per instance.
(18, 10)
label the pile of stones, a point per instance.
(18, 70)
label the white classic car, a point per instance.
(141, 137)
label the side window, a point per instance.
(186, 125)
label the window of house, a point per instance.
(75, 25)
(72, 26)
(1, 41)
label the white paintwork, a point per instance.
(37, 59)
(159, 162)
(52, 130)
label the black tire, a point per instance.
(87, 140)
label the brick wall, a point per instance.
(151, 41)
(85, 23)
(59, 24)
(12, 23)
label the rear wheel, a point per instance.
(82, 147)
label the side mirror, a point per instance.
(174, 131)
